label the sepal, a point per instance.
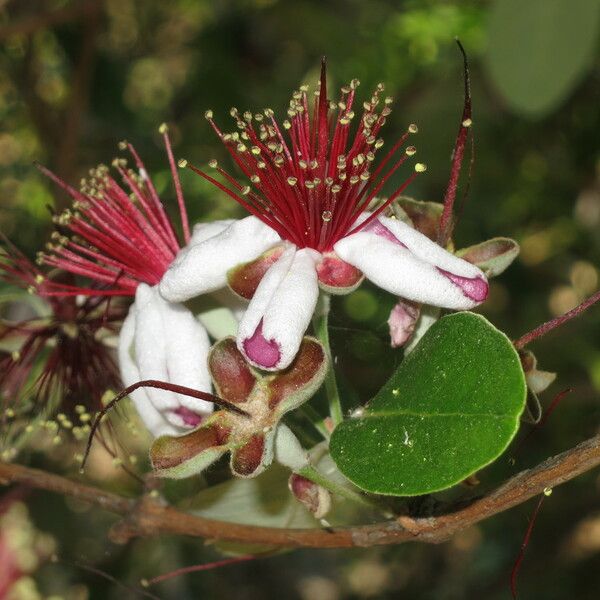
(493, 256)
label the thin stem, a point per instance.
(548, 326)
(320, 323)
(316, 420)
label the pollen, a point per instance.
(182, 163)
(164, 128)
(467, 123)
(412, 128)
(420, 167)
(410, 151)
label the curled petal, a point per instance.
(406, 263)
(232, 378)
(153, 419)
(171, 345)
(203, 267)
(204, 231)
(271, 331)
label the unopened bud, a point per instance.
(313, 496)
(402, 321)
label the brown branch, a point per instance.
(147, 517)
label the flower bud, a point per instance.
(314, 497)
(402, 321)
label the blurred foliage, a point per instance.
(71, 88)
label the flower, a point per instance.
(121, 237)
(66, 343)
(253, 439)
(312, 225)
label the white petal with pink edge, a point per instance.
(272, 328)
(172, 346)
(154, 420)
(203, 267)
(403, 261)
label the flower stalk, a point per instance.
(321, 326)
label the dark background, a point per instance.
(76, 77)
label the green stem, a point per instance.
(317, 477)
(320, 323)
(316, 420)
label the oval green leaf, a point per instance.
(539, 50)
(451, 408)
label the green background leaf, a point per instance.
(451, 408)
(538, 50)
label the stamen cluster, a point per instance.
(312, 187)
(116, 235)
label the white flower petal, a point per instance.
(130, 374)
(171, 346)
(425, 249)
(203, 267)
(204, 231)
(186, 353)
(272, 328)
(404, 262)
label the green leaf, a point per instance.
(538, 50)
(451, 408)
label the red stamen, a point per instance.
(118, 236)
(310, 189)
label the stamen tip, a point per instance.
(164, 128)
(412, 128)
(420, 167)
(182, 163)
